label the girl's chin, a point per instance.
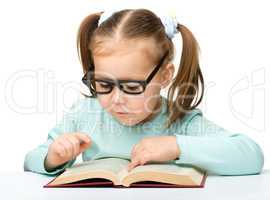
(127, 121)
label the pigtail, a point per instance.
(185, 86)
(84, 35)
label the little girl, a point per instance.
(127, 59)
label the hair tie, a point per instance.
(105, 15)
(169, 22)
(170, 25)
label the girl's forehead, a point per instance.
(104, 47)
(124, 60)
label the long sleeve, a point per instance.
(34, 160)
(216, 150)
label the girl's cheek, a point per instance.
(140, 105)
(132, 104)
(104, 101)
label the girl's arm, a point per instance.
(216, 150)
(34, 160)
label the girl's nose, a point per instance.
(117, 96)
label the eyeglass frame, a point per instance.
(117, 82)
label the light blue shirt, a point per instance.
(201, 142)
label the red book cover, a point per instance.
(98, 182)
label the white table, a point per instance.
(27, 185)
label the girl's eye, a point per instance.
(104, 85)
(132, 87)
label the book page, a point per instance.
(162, 173)
(169, 169)
(114, 165)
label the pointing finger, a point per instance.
(82, 137)
(135, 162)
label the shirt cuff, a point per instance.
(183, 144)
(39, 166)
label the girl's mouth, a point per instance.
(121, 113)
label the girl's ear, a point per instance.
(167, 75)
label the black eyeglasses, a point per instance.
(105, 86)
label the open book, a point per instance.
(113, 172)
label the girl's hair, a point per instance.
(183, 94)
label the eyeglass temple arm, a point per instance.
(156, 68)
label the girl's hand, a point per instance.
(65, 148)
(155, 148)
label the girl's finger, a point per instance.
(136, 150)
(144, 157)
(68, 146)
(140, 159)
(133, 151)
(60, 150)
(134, 162)
(82, 137)
(84, 146)
(75, 145)
(62, 144)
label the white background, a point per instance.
(40, 72)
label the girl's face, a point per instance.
(130, 61)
